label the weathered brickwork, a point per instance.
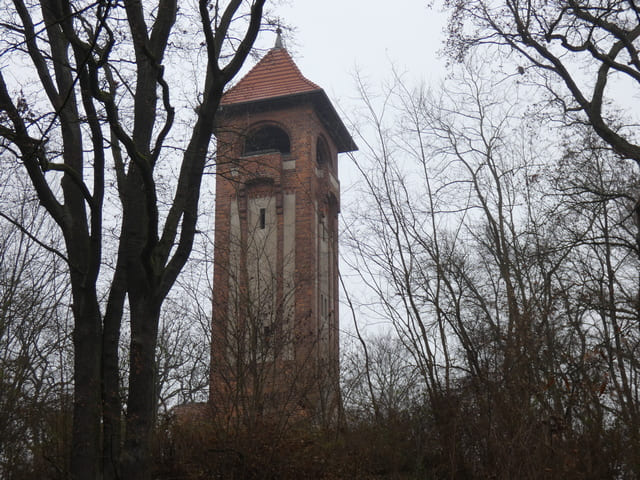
(275, 318)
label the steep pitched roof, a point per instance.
(274, 76)
(276, 81)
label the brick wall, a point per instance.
(316, 192)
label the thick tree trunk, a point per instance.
(112, 407)
(136, 455)
(86, 402)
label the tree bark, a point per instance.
(136, 456)
(86, 402)
(71, 59)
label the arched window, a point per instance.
(323, 157)
(265, 139)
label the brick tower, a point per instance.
(275, 307)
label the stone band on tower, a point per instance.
(275, 308)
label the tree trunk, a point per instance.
(112, 408)
(85, 445)
(136, 455)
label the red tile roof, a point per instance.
(274, 76)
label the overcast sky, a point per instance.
(334, 37)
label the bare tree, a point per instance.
(598, 192)
(395, 381)
(585, 57)
(35, 345)
(503, 277)
(97, 116)
(586, 46)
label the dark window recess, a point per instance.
(266, 139)
(263, 218)
(322, 152)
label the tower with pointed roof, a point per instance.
(275, 306)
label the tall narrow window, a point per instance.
(263, 218)
(322, 152)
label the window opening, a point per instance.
(267, 139)
(263, 218)
(322, 152)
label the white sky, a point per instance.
(333, 38)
